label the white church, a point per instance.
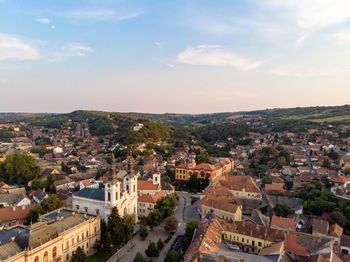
(121, 192)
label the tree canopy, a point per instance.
(18, 168)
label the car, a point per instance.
(234, 247)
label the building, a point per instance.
(220, 167)
(10, 216)
(39, 196)
(251, 237)
(221, 208)
(146, 202)
(8, 200)
(241, 186)
(88, 183)
(282, 223)
(55, 238)
(120, 192)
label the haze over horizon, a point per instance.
(173, 56)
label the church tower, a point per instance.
(112, 188)
(156, 176)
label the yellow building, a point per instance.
(241, 186)
(251, 237)
(221, 208)
(55, 238)
(219, 168)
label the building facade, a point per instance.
(120, 192)
(219, 168)
(54, 238)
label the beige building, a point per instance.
(146, 203)
(54, 238)
(221, 208)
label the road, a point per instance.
(183, 212)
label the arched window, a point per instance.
(82, 236)
(127, 188)
(36, 259)
(109, 196)
(117, 195)
(46, 257)
(134, 190)
(54, 252)
(87, 233)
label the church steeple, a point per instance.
(114, 174)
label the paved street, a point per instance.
(128, 252)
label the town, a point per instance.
(96, 186)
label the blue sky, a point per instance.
(173, 56)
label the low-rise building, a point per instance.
(146, 203)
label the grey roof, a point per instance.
(11, 199)
(294, 203)
(258, 218)
(17, 239)
(40, 194)
(92, 193)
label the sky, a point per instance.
(186, 56)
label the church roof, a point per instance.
(92, 193)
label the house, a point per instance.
(221, 208)
(89, 183)
(241, 186)
(250, 236)
(10, 216)
(345, 244)
(296, 204)
(39, 196)
(274, 188)
(282, 223)
(64, 183)
(319, 227)
(146, 202)
(8, 200)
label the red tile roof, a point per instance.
(282, 222)
(146, 185)
(148, 198)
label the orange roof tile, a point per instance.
(282, 222)
(146, 185)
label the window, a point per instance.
(46, 257)
(127, 188)
(243, 239)
(72, 241)
(259, 244)
(134, 190)
(77, 238)
(82, 236)
(109, 196)
(86, 209)
(95, 230)
(67, 257)
(36, 259)
(67, 245)
(116, 195)
(77, 207)
(87, 245)
(54, 252)
(87, 233)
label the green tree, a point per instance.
(326, 163)
(160, 244)
(152, 250)
(347, 171)
(51, 203)
(166, 206)
(37, 183)
(79, 255)
(173, 256)
(107, 244)
(18, 168)
(203, 158)
(139, 258)
(282, 210)
(143, 232)
(49, 182)
(154, 219)
(333, 155)
(337, 217)
(171, 224)
(115, 227)
(34, 214)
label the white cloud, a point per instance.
(100, 15)
(300, 40)
(343, 36)
(13, 48)
(53, 27)
(70, 50)
(310, 14)
(158, 44)
(43, 20)
(213, 55)
(309, 72)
